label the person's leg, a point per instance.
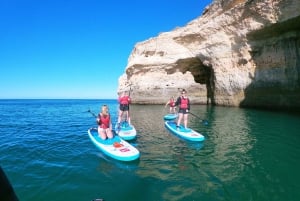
(185, 120)
(128, 118)
(109, 133)
(179, 118)
(120, 116)
(101, 133)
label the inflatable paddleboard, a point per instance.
(116, 147)
(185, 133)
(170, 116)
(125, 130)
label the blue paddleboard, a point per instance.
(125, 130)
(170, 116)
(116, 147)
(185, 133)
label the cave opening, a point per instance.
(202, 74)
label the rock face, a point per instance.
(238, 53)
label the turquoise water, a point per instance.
(247, 155)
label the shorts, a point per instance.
(183, 111)
(124, 107)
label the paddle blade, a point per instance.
(205, 122)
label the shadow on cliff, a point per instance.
(275, 52)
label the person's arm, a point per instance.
(177, 101)
(99, 119)
(189, 105)
(110, 124)
(128, 99)
(167, 103)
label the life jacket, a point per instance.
(103, 121)
(172, 103)
(184, 102)
(124, 100)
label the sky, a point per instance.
(78, 48)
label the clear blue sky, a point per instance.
(78, 48)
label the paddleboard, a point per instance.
(116, 147)
(185, 133)
(170, 116)
(125, 130)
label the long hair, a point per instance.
(104, 110)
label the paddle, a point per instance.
(92, 113)
(205, 122)
(129, 90)
(97, 116)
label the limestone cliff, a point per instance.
(237, 53)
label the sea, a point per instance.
(247, 155)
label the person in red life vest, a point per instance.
(183, 103)
(104, 123)
(171, 103)
(124, 101)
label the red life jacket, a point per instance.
(184, 103)
(124, 100)
(104, 121)
(172, 103)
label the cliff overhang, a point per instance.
(237, 53)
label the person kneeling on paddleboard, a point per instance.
(184, 107)
(104, 123)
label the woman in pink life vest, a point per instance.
(104, 123)
(183, 103)
(124, 101)
(171, 103)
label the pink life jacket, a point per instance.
(184, 103)
(124, 100)
(104, 121)
(172, 103)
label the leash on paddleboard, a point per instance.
(205, 122)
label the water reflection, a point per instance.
(105, 160)
(229, 141)
(247, 155)
(220, 158)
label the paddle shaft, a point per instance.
(204, 121)
(92, 113)
(129, 90)
(195, 115)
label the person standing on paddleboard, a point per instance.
(124, 101)
(171, 103)
(104, 123)
(183, 102)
